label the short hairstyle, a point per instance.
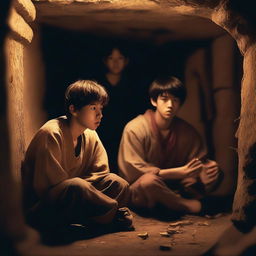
(84, 92)
(121, 48)
(171, 85)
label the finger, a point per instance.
(197, 167)
(213, 175)
(211, 180)
(194, 161)
(211, 165)
(212, 170)
(194, 172)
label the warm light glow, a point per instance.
(184, 9)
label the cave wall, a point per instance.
(209, 76)
(24, 87)
(14, 35)
(212, 106)
(226, 77)
(34, 87)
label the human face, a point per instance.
(166, 105)
(89, 116)
(116, 62)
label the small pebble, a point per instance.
(172, 231)
(143, 235)
(166, 234)
(203, 223)
(181, 223)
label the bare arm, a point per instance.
(191, 169)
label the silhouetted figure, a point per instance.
(123, 101)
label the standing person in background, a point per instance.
(123, 101)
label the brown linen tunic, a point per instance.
(143, 151)
(53, 176)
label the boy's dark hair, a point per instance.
(121, 48)
(84, 92)
(171, 85)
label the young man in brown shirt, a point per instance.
(65, 173)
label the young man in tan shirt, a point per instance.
(65, 173)
(160, 154)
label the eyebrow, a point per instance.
(94, 104)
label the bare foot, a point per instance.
(192, 206)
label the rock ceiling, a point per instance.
(138, 19)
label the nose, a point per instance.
(116, 61)
(170, 103)
(99, 114)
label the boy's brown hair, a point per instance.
(84, 92)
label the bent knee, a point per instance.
(70, 186)
(75, 185)
(149, 181)
(78, 182)
(114, 178)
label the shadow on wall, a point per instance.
(211, 73)
(79, 56)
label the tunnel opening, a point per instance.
(78, 72)
(69, 55)
(72, 54)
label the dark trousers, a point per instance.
(79, 201)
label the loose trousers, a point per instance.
(79, 201)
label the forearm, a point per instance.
(131, 171)
(171, 173)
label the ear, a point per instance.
(72, 110)
(153, 102)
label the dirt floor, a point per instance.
(193, 237)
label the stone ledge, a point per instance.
(65, 2)
(21, 30)
(26, 9)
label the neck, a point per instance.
(162, 123)
(76, 129)
(113, 78)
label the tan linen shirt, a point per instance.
(142, 149)
(50, 159)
